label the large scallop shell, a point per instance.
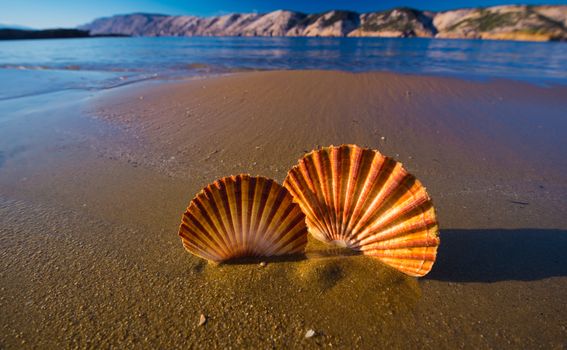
(358, 198)
(243, 216)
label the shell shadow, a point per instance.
(492, 255)
(308, 255)
(254, 260)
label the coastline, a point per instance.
(91, 198)
(510, 22)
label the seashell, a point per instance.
(358, 198)
(243, 216)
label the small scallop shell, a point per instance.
(243, 216)
(358, 198)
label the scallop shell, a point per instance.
(243, 216)
(358, 198)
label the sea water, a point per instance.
(31, 67)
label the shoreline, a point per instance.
(92, 190)
(469, 60)
(116, 83)
(504, 38)
(198, 70)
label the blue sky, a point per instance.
(70, 13)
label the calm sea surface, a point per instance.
(40, 66)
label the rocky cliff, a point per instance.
(513, 22)
(402, 22)
(534, 23)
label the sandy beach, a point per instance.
(93, 185)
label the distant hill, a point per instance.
(14, 26)
(511, 22)
(18, 34)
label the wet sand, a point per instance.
(92, 187)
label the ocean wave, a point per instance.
(32, 81)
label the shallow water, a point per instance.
(107, 62)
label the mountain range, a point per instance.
(507, 22)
